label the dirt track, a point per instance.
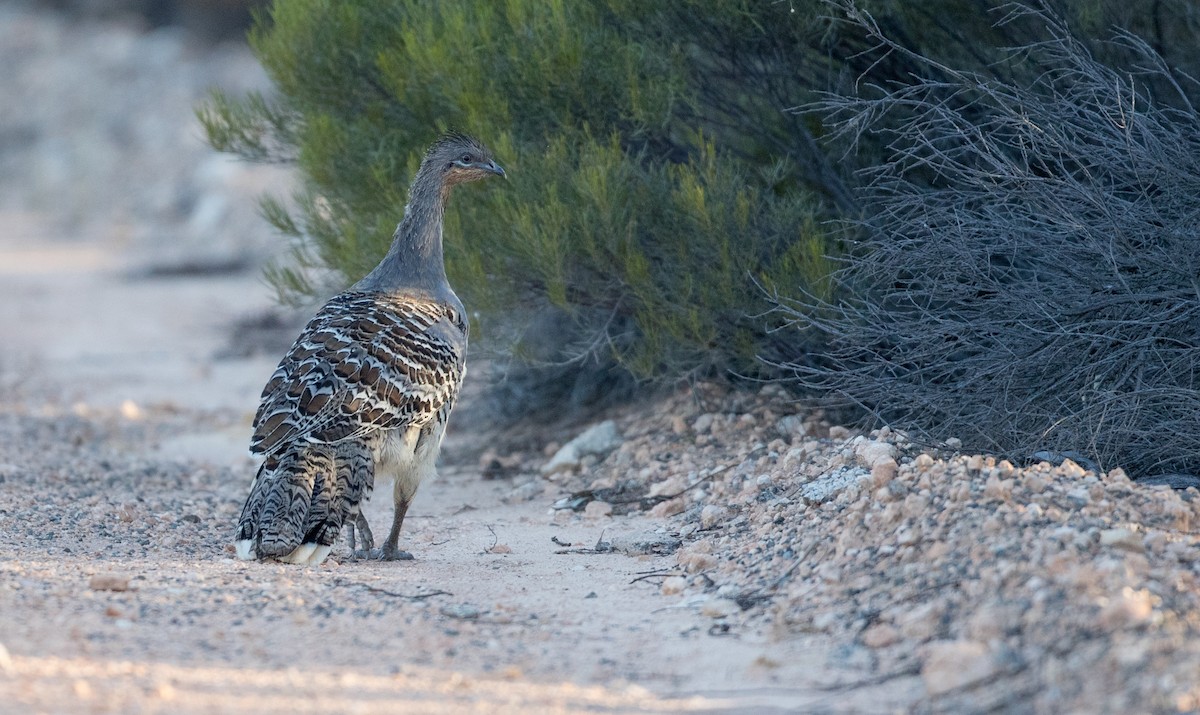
(123, 458)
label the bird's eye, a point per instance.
(466, 158)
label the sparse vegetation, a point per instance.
(1025, 279)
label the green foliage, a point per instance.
(658, 181)
(649, 216)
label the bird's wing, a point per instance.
(364, 362)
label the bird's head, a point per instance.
(458, 158)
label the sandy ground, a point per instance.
(123, 467)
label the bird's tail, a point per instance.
(301, 499)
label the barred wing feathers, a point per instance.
(365, 362)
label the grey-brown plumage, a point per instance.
(367, 388)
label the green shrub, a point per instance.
(641, 214)
(658, 183)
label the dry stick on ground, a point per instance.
(385, 592)
(657, 574)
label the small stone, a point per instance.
(839, 432)
(670, 507)
(108, 582)
(954, 443)
(921, 622)
(870, 452)
(1034, 482)
(1122, 539)
(460, 610)
(501, 549)
(598, 440)
(678, 426)
(130, 410)
(1117, 476)
(923, 462)
(720, 608)
(950, 665)
(597, 510)
(704, 423)
(884, 471)
(696, 557)
(880, 635)
(673, 585)
(526, 492)
(908, 536)
(636, 544)
(1128, 608)
(975, 463)
(790, 426)
(711, 515)
(996, 488)
(1070, 469)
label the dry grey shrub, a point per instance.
(1028, 275)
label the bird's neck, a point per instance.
(414, 261)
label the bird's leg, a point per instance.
(391, 550)
(360, 525)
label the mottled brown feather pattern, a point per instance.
(365, 362)
(367, 366)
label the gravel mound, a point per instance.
(1044, 588)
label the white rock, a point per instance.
(720, 608)
(711, 515)
(869, 453)
(597, 510)
(597, 440)
(673, 585)
(790, 426)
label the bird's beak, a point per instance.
(496, 169)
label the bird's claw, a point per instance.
(384, 554)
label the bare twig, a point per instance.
(393, 594)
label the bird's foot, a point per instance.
(385, 554)
(360, 527)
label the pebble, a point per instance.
(109, 582)
(950, 665)
(870, 453)
(712, 515)
(597, 510)
(596, 441)
(463, 611)
(720, 608)
(1122, 538)
(673, 585)
(668, 508)
(1128, 608)
(997, 488)
(880, 635)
